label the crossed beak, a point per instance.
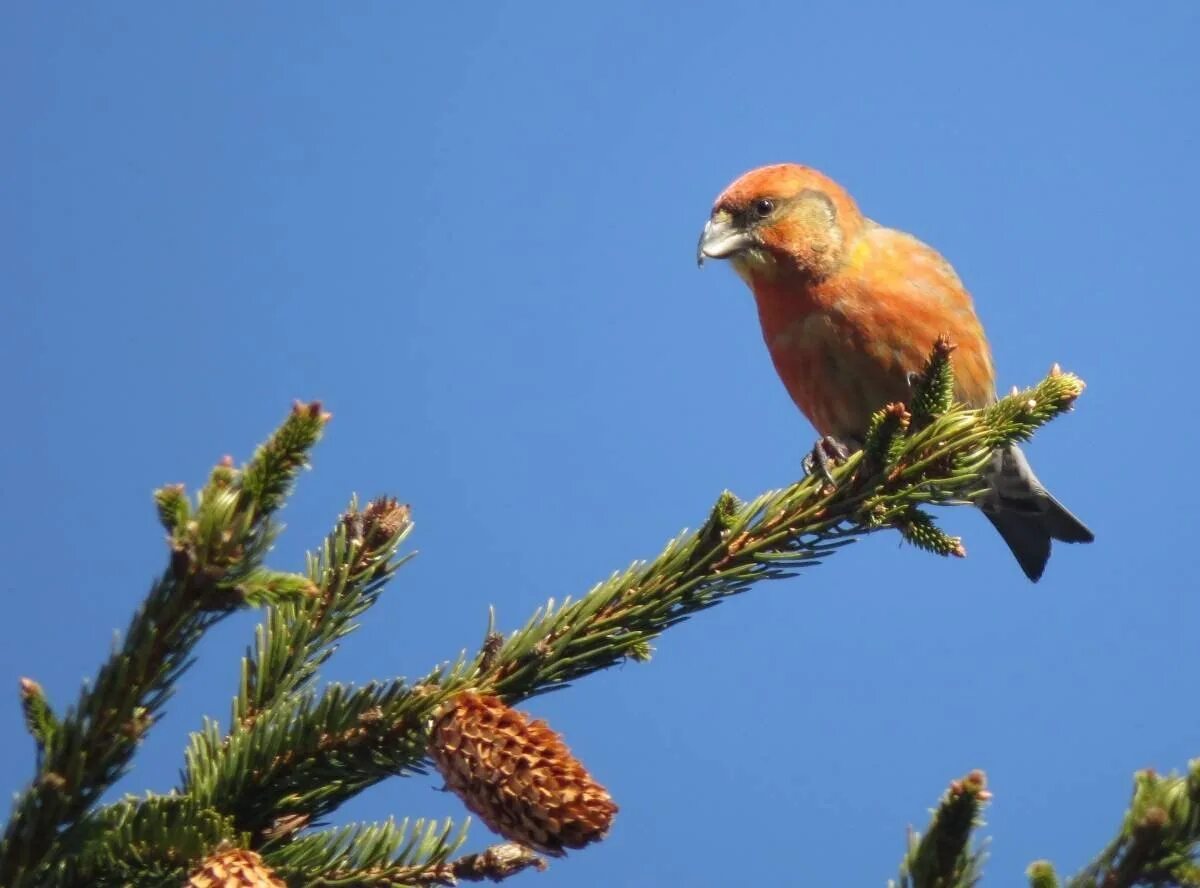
(721, 239)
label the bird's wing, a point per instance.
(912, 296)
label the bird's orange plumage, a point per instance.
(844, 342)
(850, 309)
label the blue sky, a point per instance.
(472, 235)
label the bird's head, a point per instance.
(779, 219)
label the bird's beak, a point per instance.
(721, 239)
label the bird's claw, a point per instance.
(826, 453)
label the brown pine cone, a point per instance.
(518, 776)
(234, 868)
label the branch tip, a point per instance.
(312, 410)
(497, 863)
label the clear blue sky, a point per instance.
(472, 235)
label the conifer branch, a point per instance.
(146, 841)
(497, 863)
(1042, 875)
(933, 389)
(286, 749)
(308, 754)
(293, 753)
(379, 855)
(773, 537)
(312, 752)
(943, 857)
(40, 720)
(212, 552)
(345, 577)
(1159, 840)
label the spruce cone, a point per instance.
(234, 868)
(518, 776)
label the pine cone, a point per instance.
(518, 776)
(234, 868)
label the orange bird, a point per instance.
(849, 310)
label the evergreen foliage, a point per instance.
(295, 751)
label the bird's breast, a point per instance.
(836, 370)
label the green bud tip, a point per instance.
(312, 410)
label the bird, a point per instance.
(850, 310)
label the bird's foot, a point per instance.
(826, 453)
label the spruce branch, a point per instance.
(174, 507)
(285, 750)
(933, 388)
(884, 434)
(267, 479)
(943, 856)
(918, 528)
(497, 863)
(344, 578)
(307, 754)
(310, 753)
(40, 720)
(776, 535)
(262, 587)
(211, 553)
(1159, 840)
(144, 841)
(380, 855)
(292, 753)
(1042, 875)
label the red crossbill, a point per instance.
(850, 310)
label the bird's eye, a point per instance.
(764, 207)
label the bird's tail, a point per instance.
(1025, 513)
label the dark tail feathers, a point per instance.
(1026, 514)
